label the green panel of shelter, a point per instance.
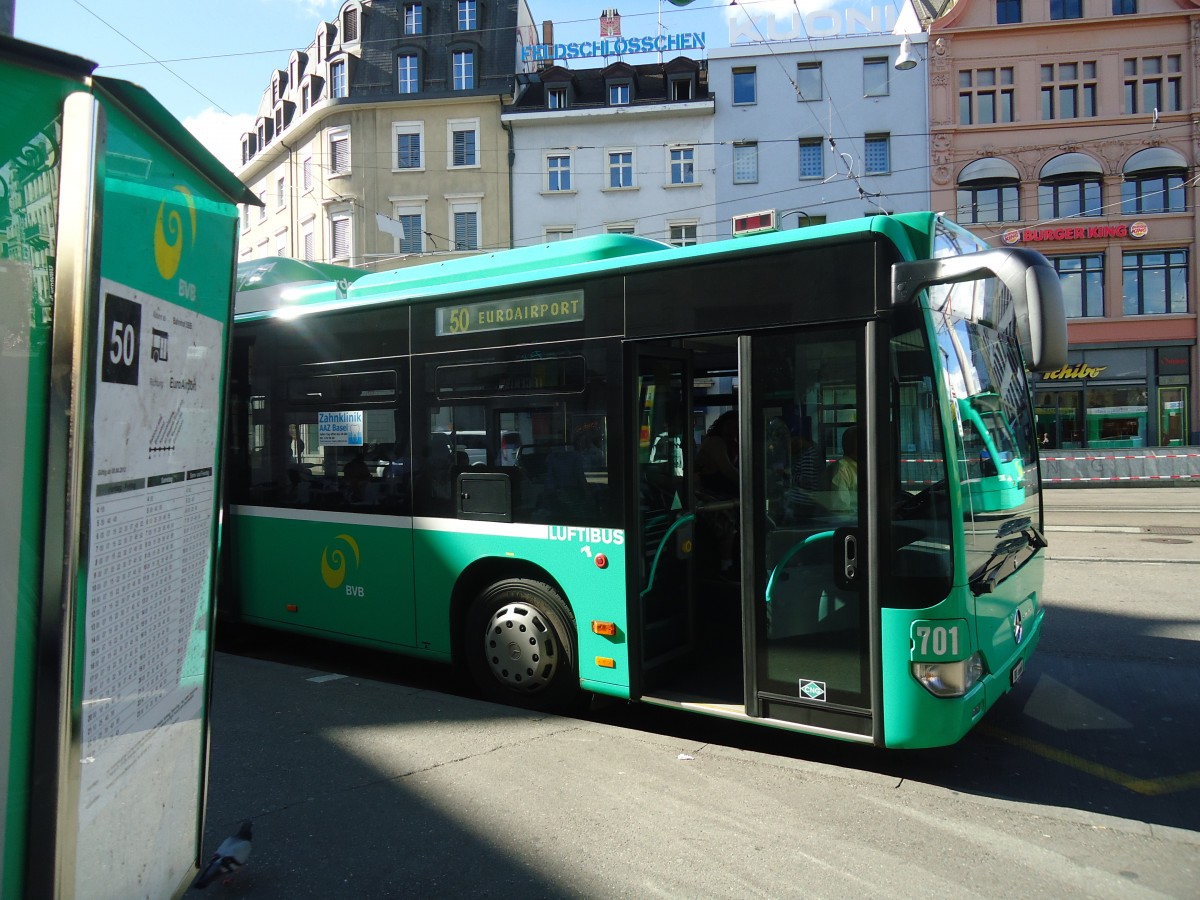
(30, 139)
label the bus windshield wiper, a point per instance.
(989, 573)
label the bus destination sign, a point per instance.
(516, 312)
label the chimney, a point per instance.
(547, 32)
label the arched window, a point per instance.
(1154, 182)
(1069, 185)
(988, 192)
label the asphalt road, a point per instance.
(365, 779)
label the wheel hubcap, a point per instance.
(520, 648)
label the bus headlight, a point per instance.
(949, 679)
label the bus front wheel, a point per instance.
(520, 645)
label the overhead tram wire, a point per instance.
(157, 61)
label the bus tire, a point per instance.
(520, 645)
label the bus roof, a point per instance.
(564, 260)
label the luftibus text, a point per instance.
(614, 536)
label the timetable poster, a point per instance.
(150, 536)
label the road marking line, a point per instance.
(318, 679)
(1150, 787)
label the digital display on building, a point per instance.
(515, 312)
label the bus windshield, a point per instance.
(994, 436)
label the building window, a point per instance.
(812, 158)
(339, 153)
(681, 88)
(1082, 280)
(1069, 90)
(745, 163)
(305, 97)
(1068, 186)
(1066, 9)
(307, 241)
(1153, 83)
(683, 165)
(350, 25)
(745, 85)
(411, 219)
(988, 192)
(556, 98)
(413, 19)
(558, 173)
(1153, 192)
(467, 15)
(409, 140)
(1154, 182)
(1067, 197)
(306, 173)
(1155, 283)
(408, 74)
(1124, 7)
(682, 234)
(877, 158)
(464, 149)
(1008, 12)
(464, 143)
(465, 220)
(280, 193)
(620, 228)
(339, 236)
(262, 206)
(281, 243)
(620, 168)
(808, 81)
(985, 96)
(558, 233)
(875, 77)
(618, 94)
(246, 217)
(337, 78)
(464, 70)
(987, 202)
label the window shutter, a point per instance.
(466, 231)
(341, 238)
(339, 151)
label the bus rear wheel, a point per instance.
(520, 645)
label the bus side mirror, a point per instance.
(1029, 278)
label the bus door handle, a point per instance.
(847, 557)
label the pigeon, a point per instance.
(230, 856)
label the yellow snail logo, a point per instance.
(168, 241)
(333, 562)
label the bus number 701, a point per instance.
(945, 640)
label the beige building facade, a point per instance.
(380, 145)
(1073, 127)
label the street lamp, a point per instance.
(907, 58)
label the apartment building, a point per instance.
(1070, 127)
(621, 148)
(820, 129)
(380, 143)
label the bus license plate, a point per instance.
(1017, 671)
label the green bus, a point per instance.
(464, 461)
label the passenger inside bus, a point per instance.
(716, 469)
(841, 478)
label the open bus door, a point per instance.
(663, 601)
(809, 605)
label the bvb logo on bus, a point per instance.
(334, 563)
(168, 234)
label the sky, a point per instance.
(209, 62)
